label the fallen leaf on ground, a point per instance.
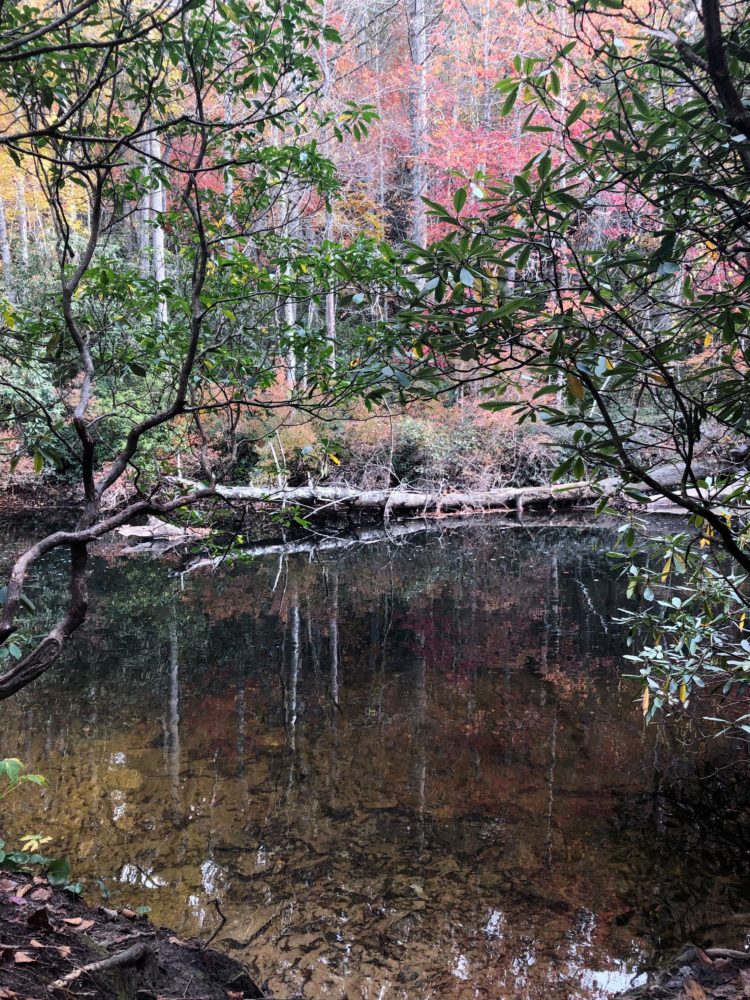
(703, 958)
(63, 951)
(73, 921)
(85, 925)
(130, 914)
(176, 940)
(7, 885)
(36, 944)
(22, 957)
(41, 894)
(693, 990)
(7, 994)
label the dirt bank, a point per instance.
(53, 945)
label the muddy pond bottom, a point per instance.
(404, 771)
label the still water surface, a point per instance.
(404, 771)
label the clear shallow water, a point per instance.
(404, 772)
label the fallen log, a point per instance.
(410, 503)
(397, 501)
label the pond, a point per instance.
(403, 771)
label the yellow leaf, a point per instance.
(609, 364)
(708, 340)
(682, 693)
(665, 570)
(575, 386)
(336, 461)
(645, 700)
(742, 622)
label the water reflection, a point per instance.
(405, 772)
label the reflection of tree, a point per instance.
(683, 849)
(172, 740)
(412, 765)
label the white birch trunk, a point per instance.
(157, 207)
(330, 297)
(229, 185)
(330, 310)
(5, 254)
(143, 226)
(487, 88)
(23, 222)
(419, 45)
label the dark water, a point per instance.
(404, 772)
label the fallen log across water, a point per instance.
(412, 502)
(403, 502)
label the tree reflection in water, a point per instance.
(406, 771)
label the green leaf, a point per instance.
(331, 35)
(58, 872)
(35, 779)
(576, 113)
(509, 103)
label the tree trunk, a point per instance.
(5, 254)
(419, 46)
(23, 222)
(321, 498)
(157, 208)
